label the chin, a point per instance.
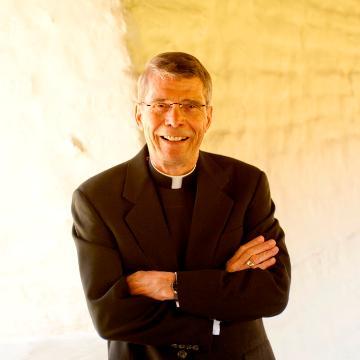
(173, 160)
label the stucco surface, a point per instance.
(286, 98)
(66, 114)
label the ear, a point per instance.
(138, 117)
(209, 111)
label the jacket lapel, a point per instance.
(146, 219)
(211, 210)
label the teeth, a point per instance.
(174, 138)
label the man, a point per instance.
(179, 252)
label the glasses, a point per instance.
(187, 107)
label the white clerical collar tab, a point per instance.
(176, 182)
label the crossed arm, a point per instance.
(158, 285)
(228, 294)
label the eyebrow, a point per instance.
(183, 100)
(158, 99)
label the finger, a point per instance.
(235, 266)
(262, 261)
(256, 241)
(257, 249)
(266, 264)
(265, 255)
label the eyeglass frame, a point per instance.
(198, 106)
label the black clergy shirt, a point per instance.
(177, 204)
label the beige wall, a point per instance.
(286, 98)
(65, 113)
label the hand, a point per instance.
(261, 252)
(154, 284)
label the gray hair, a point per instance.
(176, 64)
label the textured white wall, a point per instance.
(287, 98)
(66, 113)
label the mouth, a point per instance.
(174, 138)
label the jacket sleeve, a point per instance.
(247, 294)
(115, 314)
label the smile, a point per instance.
(174, 138)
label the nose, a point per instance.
(174, 117)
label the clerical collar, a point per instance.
(169, 181)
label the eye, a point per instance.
(191, 106)
(161, 105)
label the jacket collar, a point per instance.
(212, 209)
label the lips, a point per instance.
(174, 138)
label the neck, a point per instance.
(174, 169)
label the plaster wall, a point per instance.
(286, 98)
(66, 114)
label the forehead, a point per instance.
(174, 88)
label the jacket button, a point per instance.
(182, 354)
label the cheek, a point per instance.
(152, 124)
(146, 125)
(200, 131)
(149, 130)
(199, 127)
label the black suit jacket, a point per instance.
(119, 228)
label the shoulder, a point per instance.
(105, 185)
(112, 180)
(231, 165)
(240, 177)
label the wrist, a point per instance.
(174, 286)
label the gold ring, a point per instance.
(250, 263)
